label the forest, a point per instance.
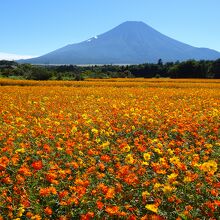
(185, 69)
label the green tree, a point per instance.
(38, 73)
(215, 69)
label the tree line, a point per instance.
(185, 69)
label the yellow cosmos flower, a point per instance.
(92, 161)
(210, 166)
(170, 151)
(20, 150)
(145, 193)
(86, 135)
(18, 119)
(89, 121)
(129, 159)
(105, 144)
(208, 146)
(74, 129)
(80, 161)
(157, 150)
(160, 145)
(57, 123)
(107, 133)
(126, 148)
(168, 189)
(157, 186)
(162, 160)
(84, 116)
(187, 179)
(174, 160)
(81, 153)
(146, 156)
(155, 140)
(21, 210)
(150, 120)
(36, 217)
(145, 163)
(152, 207)
(98, 140)
(172, 176)
(95, 131)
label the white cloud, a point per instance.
(9, 56)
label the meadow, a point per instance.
(110, 149)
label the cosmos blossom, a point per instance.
(109, 149)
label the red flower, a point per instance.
(48, 211)
(99, 204)
(37, 165)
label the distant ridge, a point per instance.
(132, 42)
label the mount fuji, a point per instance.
(131, 42)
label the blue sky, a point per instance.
(36, 27)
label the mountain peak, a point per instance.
(134, 24)
(131, 42)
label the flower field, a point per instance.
(110, 149)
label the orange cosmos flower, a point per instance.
(99, 204)
(37, 165)
(36, 217)
(44, 191)
(3, 162)
(88, 216)
(105, 158)
(110, 193)
(103, 187)
(29, 214)
(132, 217)
(62, 194)
(7, 180)
(217, 202)
(50, 177)
(112, 210)
(47, 191)
(101, 166)
(48, 211)
(24, 170)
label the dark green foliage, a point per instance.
(186, 69)
(7, 63)
(79, 77)
(39, 73)
(215, 69)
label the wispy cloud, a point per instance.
(9, 56)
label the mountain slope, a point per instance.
(129, 43)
